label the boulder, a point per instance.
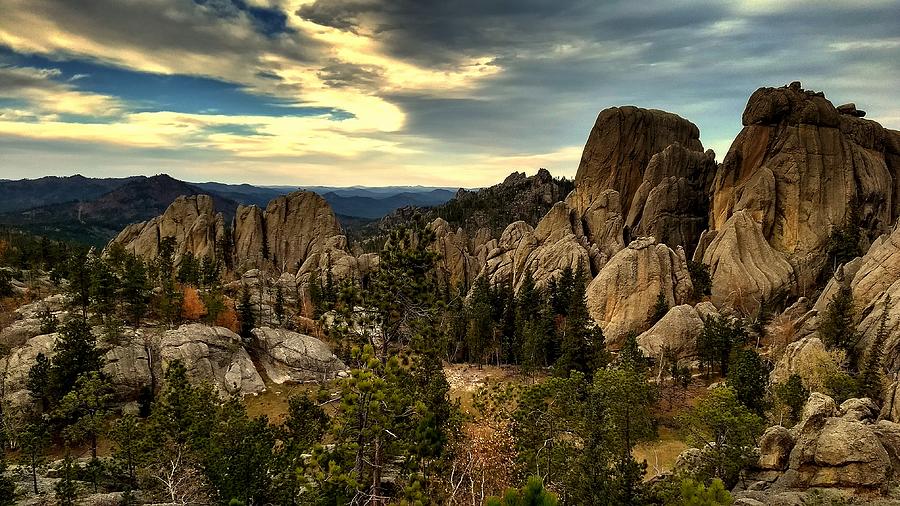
(291, 357)
(799, 357)
(621, 297)
(859, 409)
(846, 453)
(775, 447)
(14, 367)
(213, 355)
(676, 332)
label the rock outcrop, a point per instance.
(214, 355)
(794, 172)
(192, 221)
(621, 298)
(291, 357)
(676, 333)
(297, 226)
(836, 447)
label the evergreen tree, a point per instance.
(189, 270)
(7, 485)
(748, 375)
(720, 335)
(38, 383)
(871, 375)
(627, 399)
(245, 313)
(78, 289)
(130, 450)
(837, 327)
(135, 289)
(34, 439)
(103, 290)
(700, 277)
(698, 494)
(659, 309)
(75, 354)
(582, 342)
(66, 489)
(532, 494)
(480, 329)
(87, 406)
(278, 307)
(727, 432)
(793, 395)
(169, 302)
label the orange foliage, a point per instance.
(228, 318)
(192, 307)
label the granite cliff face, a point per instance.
(793, 174)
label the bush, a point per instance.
(697, 494)
(700, 278)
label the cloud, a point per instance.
(372, 91)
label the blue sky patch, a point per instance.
(148, 92)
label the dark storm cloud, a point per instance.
(564, 61)
(340, 74)
(203, 28)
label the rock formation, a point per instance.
(832, 446)
(621, 298)
(289, 356)
(676, 333)
(192, 221)
(790, 177)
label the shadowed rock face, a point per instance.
(795, 170)
(192, 221)
(620, 146)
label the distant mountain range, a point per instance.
(93, 210)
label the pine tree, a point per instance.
(75, 354)
(38, 382)
(66, 489)
(34, 439)
(135, 289)
(748, 376)
(659, 309)
(480, 329)
(78, 289)
(246, 313)
(581, 345)
(837, 327)
(170, 304)
(103, 290)
(278, 307)
(793, 395)
(871, 375)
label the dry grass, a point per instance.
(662, 453)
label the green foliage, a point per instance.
(75, 354)
(189, 272)
(34, 439)
(246, 313)
(6, 287)
(169, 304)
(720, 335)
(532, 494)
(134, 291)
(698, 494)
(836, 326)
(840, 385)
(700, 277)
(793, 395)
(844, 241)
(660, 308)
(748, 376)
(86, 407)
(7, 485)
(725, 431)
(871, 376)
(49, 321)
(66, 489)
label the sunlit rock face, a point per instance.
(791, 176)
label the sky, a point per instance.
(403, 92)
